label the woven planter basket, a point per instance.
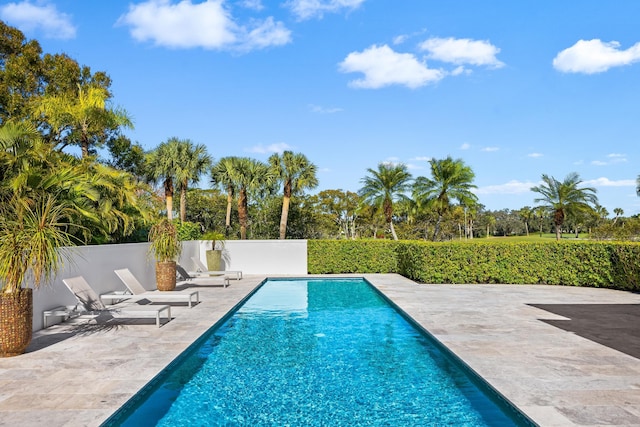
(166, 275)
(16, 322)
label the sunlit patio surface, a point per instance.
(560, 372)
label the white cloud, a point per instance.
(595, 56)
(382, 67)
(465, 146)
(462, 51)
(617, 158)
(324, 110)
(252, 4)
(206, 25)
(535, 155)
(41, 16)
(606, 182)
(400, 39)
(612, 159)
(490, 149)
(422, 159)
(273, 148)
(307, 9)
(460, 70)
(264, 34)
(511, 187)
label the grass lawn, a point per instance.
(535, 237)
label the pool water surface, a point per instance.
(316, 352)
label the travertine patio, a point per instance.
(78, 374)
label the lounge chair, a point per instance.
(201, 270)
(187, 277)
(89, 303)
(136, 290)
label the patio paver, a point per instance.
(76, 374)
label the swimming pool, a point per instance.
(316, 352)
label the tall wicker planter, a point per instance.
(16, 322)
(166, 275)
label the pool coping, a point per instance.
(79, 374)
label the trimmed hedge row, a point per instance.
(599, 264)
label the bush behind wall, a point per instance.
(599, 264)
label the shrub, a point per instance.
(599, 264)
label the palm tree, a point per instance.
(526, 214)
(82, 120)
(451, 180)
(248, 175)
(618, 212)
(296, 173)
(385, 186)
(191, 162)
(221, 175)
(160, 164)
(564, 198)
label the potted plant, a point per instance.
(166, 246)
(214, 255)
(30, 255)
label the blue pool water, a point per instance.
(312, 352)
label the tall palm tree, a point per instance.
(296, 173)
(82, 120)
(191, 163)
(248, 175)
(160, 165)
(564, 198)
(384, 186)
(450, 180)
(221, 175)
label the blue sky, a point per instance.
(513, 88)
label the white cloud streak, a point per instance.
(382, 67)
(324, 110)
(465, 146)
(511, 187)
(462, 51)
(535, 155)
(308, 9)
(206, 25)
(606, 182)
(41, 16)
(490, 149)
(273, 148)
(595, 56)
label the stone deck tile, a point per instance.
(78, 374)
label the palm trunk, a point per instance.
(286, 201)
(183, 203)
(436, 231)
(393, 230)
(229, 201)
(242, 213)
(168, 193)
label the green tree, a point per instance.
(384, 186)
(296, 173)
(191, 163)
(160, 165)
(84, 120)
(450, 180)
(248, 175)
(564, 198)
(526, 213)
(222, 176)
(21, 73)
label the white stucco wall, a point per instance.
(96, 265)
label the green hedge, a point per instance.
(352, 256)
(600, 264)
